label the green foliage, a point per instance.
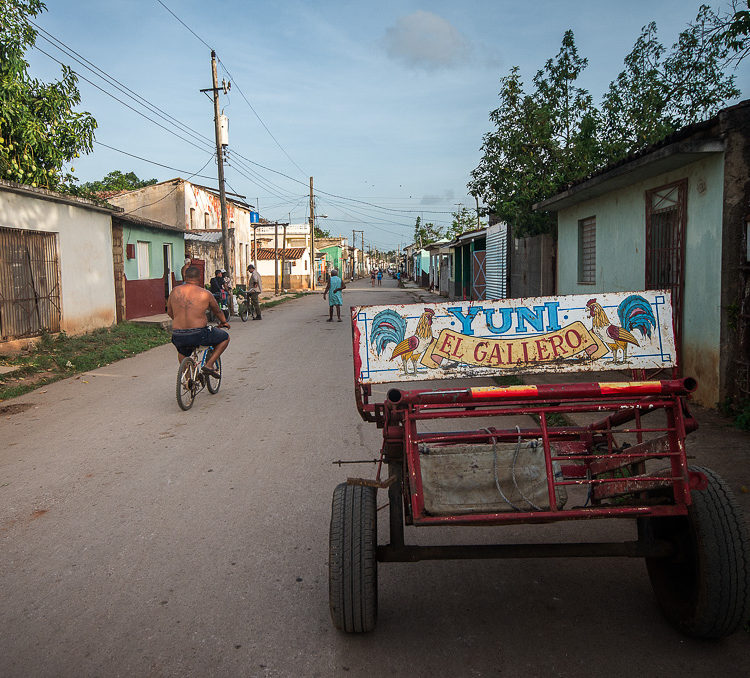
(39, 130)
(733, 31)
(463, 220)
(656, 94)
(544, 140)
(322, 233)
(117, 181)
(424, 234)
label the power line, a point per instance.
(101, 73)
(135, 110)
(185, 25)
(177, 184)
(237, 87)
(153, 162)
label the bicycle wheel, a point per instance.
(213, 383)
(243, 312)
(186, 383)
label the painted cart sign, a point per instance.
(416, 342)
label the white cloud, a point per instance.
(426, 40)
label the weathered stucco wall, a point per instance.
(84, 238)
(159, 202)
(621, 258)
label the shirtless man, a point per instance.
(187, 306)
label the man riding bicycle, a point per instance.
(187, 306)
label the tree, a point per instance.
(322, 233)
(39, 130)
(656, 94)
(544, 141)
(117, 181)
(463, 220)
(424, 234)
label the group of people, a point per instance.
(189, 303)
(376, 273)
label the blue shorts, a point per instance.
(187, 341)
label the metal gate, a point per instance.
(29, 284)
(666, 215)
(478, 277)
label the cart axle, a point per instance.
(632, 549)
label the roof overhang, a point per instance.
(658, 162)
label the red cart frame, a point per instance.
(647, 479)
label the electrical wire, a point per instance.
(124, 89)
(237, 87)
(166, 195)
(143, 115)
(153, 162)
(185, 25)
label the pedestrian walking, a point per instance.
(372, 278)
(255, 287)
(333, 290)
(380, 277)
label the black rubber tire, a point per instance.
(243, 312)
(352, 561)
(214, 383)
(186, 389)
(704, 590)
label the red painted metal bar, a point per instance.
(552, 516)
(673, 387)
(548, 464)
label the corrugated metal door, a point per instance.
(29, 284)
(497, 261)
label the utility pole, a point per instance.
(479, 223)
(220, 161)
(312, 236)
(276, 258)
(283, 257)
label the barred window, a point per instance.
(587, 250)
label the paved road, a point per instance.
(139, 540)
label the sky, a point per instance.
(383, 104)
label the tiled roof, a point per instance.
(288, 253)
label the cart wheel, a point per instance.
(704, 589)
(352, 565)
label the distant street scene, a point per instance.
(408, 342)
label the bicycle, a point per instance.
(246, 308)
(191, 380)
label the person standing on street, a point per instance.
(254, 288)
(380, 277)
(333, 290)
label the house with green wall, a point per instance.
(673, 217)
(152, 256)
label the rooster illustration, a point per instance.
(388, 327)
(635, 314)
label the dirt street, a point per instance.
(140, 540)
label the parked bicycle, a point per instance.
(246, 307)
(191, 380)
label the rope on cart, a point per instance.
(494, 469)
(513, 470)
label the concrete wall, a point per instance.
(84, 238)
(621, 258)
(160, 202)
